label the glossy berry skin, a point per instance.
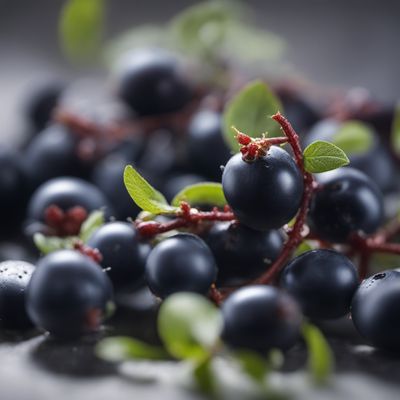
(152, 82)
(260, 318)
(124, 256)
(205, 138)
(264, 194)
(51, 153)
(375, 310)
(347, 203)
(68, 294)
(381, 170)
(322, 281)
(242, 253)
(14, 279)
(66, 193)
(42, 103)
(182, 263)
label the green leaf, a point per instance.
(204, 376)
(249, 112)
(48, 244)
(144, 195)
(189, 325)
(323, 156)
(209, 193)
(199, 30)
(93, 222)
(120, 348)
(320, 356)
(81, 28)
(354, 137)
(396, 130)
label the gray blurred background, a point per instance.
(344, 43)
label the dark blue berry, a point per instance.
(66, 193)
(124, 256)
(375, 310)
(14, 279)
(182, 263)
(260, 318)
(322, 281)
(207, 150)
(68, 294)
(348, 202)
(264, 194)
(242, 253)
(152, 82)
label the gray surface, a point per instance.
(39, 368)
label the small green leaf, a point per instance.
(320, 356)
(144, 195)
(81, 28)
(48, 244)
(209, 193)
(189, 325)
(354, 137)
(93, 222)
(323, 156)
(118, 349)
(204, 376)
(396, 130)
(249, 112)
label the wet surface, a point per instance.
(35, 366)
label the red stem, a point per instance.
(187, 217)
(295, 234)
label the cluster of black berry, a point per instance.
(242, 257)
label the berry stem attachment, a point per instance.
(186, 217)
(252, 149)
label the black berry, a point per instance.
(51, 153)
(348, 202)
(42, 102)
(182, 263)
(242, 253)
(108, 176)
(152, 82)
(124, 256)
(375, 310)
(205, 138)
(260, 318)
(68, 294)
(66, 193)
(322, 281)
(264, 194)
(14, 279)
